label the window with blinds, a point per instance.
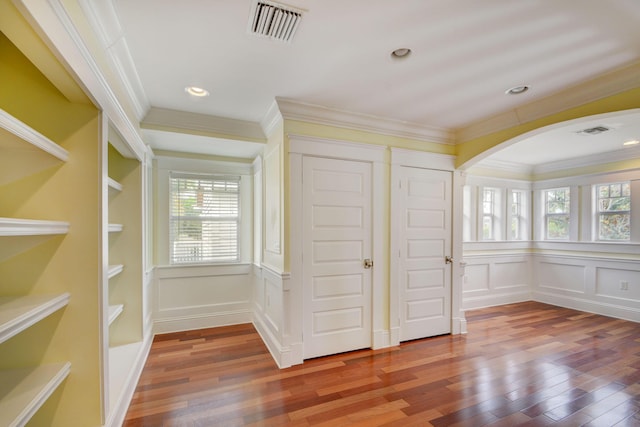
(204, 218)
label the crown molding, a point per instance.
(53, 19)
(505, 166)
(294, 110)
(271, 119)
(202, 124)
(104, 20)
(622, 154)
(601, 87)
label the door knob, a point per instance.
(368, 263)
(448, 259)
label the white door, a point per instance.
(337, 240)
(425, 243)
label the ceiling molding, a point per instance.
(271, 119)
(203, 124)
(103, 18)
(601, 87)
(591, 160)
(312, 113)
(501, 165)
(54, 21)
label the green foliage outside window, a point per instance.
(614, 211)
(557, 202)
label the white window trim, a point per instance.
(163, 165)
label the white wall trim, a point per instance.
(166, 119)
(271, 119)
(589, 306)
(52, 17)
(422, 159)
(103, 18)
(311, 113)
(331, 148)
(201, 321)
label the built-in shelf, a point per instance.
(114, 270)
(23, 391)
(114, 185)
(15, 127)
(18, 313)
(115, 228)
(122, 360)
(31, 227)
(114, 312)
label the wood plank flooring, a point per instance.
(527, 364)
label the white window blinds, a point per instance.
(204, 218)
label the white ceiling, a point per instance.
(466, 53)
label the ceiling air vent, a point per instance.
(275, 21)
(594, 130)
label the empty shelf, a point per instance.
(115, 228)
(27, 134)
(23, 391)
(18, 313)
(114, 270)
(31, 227)
(114, 312)
(114, 185)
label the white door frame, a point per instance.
(300, 146)
(418, 159)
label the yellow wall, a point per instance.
(71, 263)
(623, 101)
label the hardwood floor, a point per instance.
(526, 364)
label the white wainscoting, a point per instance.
(203, 296)
(581, 276)
(496, 279)
(588, 283)
(270, 307)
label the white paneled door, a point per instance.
(337, 242)
(424, 278)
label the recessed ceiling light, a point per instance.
(403, 52)
(631, 142)
(517, 90)
(196, 91)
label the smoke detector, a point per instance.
(594, 130)
(274, 20)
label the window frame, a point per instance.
(597, 213)
(225, 177)
(547, 215)
(492, 215)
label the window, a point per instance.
(488, 213)
(517, 218)
(204, 218)
(557, 213)
(614, 211)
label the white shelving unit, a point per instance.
(31, 227)
(115, 311)
(18, 313)
(114, 185)
(115, 228)
(14, 131)
(24, 391)
(114, 270)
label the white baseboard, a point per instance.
(284, 356)
(590, 306)
(201, 321)
(471, 303)
(459, 325)
(381, 339)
